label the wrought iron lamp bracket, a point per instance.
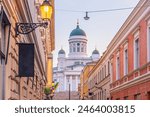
(26, 28)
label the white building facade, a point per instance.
(69, 68)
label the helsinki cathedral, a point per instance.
(69, 67)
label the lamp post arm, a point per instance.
(26, 28)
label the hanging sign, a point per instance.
(26, 60)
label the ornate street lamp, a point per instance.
(45, 12)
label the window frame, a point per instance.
(4, 46)
(117, 66)
(137, 96)
(148, 41)
(136, 57)
(126, 60)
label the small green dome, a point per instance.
(61, 51)
(77, 32)
(95, 51)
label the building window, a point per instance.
(118, 69)
(126, 62)
(136, 54)
(108, 67)
(105, 71)
(148, 43)
(100, 75)
(4, 32)
(111, 72)
(126, 98)
(78, 47)
(82, 49)
(148, 95)
(74, 48)
(137, 96)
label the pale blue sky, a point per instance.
(101, 27)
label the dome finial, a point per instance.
(77, 23)
(61, 47)
(95, 47)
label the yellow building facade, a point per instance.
(84, 92)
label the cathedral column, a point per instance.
(49, 69)
(65, 82)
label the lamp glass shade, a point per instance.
(46, 10)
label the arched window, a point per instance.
(78, 47)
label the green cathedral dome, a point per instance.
(77, 32)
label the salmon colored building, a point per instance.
(130, 56)
(123, 71)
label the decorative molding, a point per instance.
(125, 42)
(136, 31)
(136, 81)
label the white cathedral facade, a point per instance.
(69, 68)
